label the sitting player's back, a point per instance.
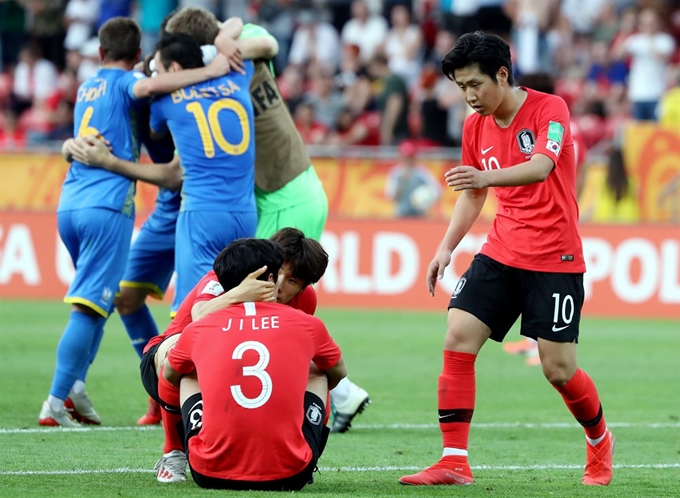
(252, 361)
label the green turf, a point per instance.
(397, 358)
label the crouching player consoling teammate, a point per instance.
(254, 419)
(517, 141)
(304, 263)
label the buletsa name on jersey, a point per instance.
(526, 141)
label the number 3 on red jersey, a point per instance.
(257, 370)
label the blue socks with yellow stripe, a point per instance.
(74, 351)
(140, 327)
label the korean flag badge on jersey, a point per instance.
(555, 136)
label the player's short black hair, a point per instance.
(541, 82)
(307, 258)
(243, 256)
(119, 39)
(182, 49)
(488, 52)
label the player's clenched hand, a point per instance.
(465, 178)
(435, 270)
(91, 151)
(254, 290)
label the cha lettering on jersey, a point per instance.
(92, 93)
(252, 323)
(206, 92)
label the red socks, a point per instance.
(170, 395)
(456, 398)
(580, 396)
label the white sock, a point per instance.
(56, 404)
(454, 452)
(78, 387)
(340, 394)
(595, 442)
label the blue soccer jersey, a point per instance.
(212, 125)
(107, 107)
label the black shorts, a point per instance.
(497, 294)
(313, 429)
(147, 369)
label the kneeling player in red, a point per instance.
(254, 419)
(304, 263)
(518, 141)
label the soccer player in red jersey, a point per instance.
(543, 82)
(252, 406)
(305, 262)
(518, 141)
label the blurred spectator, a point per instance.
(433, 108)
(460, 16)
(12, 137)
(650, 51)
(627, 25)
(583, 15)
(351, 130)
(277, 16)
(312, 131)
(532, 19)
(411, 185)
(403, 46)
(492, 17)
(79, 19)
(606, 77)
(292, 87)
(152, 13)
(49, 30)
(315, 41)
(391, 99)
(12, 32)
(89, 54)
(615, 197)
(35, 79)
(364, 30)
(113, 8)
(669, 107)
(324, 98)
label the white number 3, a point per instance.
(257, 370)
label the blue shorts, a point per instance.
(152, 256)
(98, 241)
(201, 236)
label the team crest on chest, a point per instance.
(526, 141)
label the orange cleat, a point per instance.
(524, 346)
(152, 415)
(449, 470)
(599, 458)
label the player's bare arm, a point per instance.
(535, 170)
(169, 82)
(91, 151)
(249, 290)
(336, 373)
(465, 213)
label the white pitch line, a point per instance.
(129, 470)
(481, 425)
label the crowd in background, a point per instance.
(367, 72)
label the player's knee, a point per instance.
(81, 308)
(557, 373)
(465, 333)
(129, 301)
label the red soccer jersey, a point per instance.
(206, 289)
(304, 301)
(252, 362)
(536, 226)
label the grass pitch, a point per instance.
(523, 441)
